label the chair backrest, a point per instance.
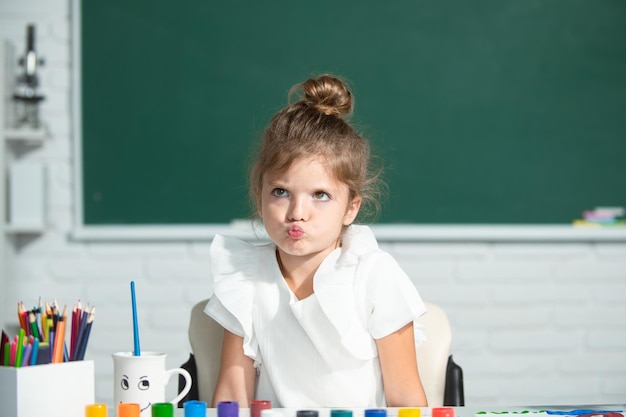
(432, 355)
(206, 335)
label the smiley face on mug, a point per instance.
(142, 380)
(140, 384)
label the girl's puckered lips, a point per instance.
(295, 232)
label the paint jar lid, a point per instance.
(162, 410)
(228, 409)
(376, 412)
(340, 413)
(409, 412)
(195, 408)
(96, 410)
(256, 406)
(443, 412)
(128, 410)
(307, 413)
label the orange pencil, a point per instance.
(59, 338)
(21, 315)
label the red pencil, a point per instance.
(76, 313)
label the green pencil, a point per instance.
(7, 354)
(20, 348)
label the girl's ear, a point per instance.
(353, 211)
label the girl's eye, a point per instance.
(279, 192)
(321, 195)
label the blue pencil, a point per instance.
(137, 351)
(35, 352)
(82, 347)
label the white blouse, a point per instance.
(319, 351)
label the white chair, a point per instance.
(206, 335)
(432, 355)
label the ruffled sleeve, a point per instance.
(368, 296)
(392, 297)
(234, 266)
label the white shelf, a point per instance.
(26, 229)
(383, 232)
(26, 135)
(537, 233)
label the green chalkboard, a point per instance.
(484, 111)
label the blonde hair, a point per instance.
(315, 126)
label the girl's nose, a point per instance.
(297, 210)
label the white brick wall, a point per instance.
(532, 323)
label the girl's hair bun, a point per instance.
(329, 95)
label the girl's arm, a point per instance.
(398, 362)
(237, 375)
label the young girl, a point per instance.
(320, 317)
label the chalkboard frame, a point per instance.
(206, 231)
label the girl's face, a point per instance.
(304, 209)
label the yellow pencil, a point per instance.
(48, 325)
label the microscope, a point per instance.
(26, 97)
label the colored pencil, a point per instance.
(7, 354)
(81, 329)
(13, 352)
(5, 340)
(59, 342)
(20, 348)
(55, 314)
(74, 331)
(51, 344)
(32, 320)
(26, 355)
(20, 315)
(39, 315)
(46, 321)
(35, 353)
(85, 338)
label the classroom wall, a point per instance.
(532, 323)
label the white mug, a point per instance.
(142, 379)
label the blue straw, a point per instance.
(137, 351)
